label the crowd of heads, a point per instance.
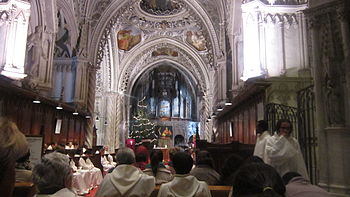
(249, 176)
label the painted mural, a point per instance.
(197, 40)
(165, 51)
(165, 131)
(128, 38)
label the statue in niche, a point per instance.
(334, 101)
(63, 47)
(35, 51)
(196, 40)
(128, 38)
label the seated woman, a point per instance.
(142, 157)
(53, 175)
(157, 168)
(258, 179)
(204, 170)
(141, 160)
(172, 152)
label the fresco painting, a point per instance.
(197, 40)
(128, 38)
(165, 51)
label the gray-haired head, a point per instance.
(53, 173)
(125, 156)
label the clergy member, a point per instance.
(284, 152)
(262, 134)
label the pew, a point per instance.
(24, 189)
(215, 190)
(220, 152)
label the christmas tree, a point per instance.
(142, 128)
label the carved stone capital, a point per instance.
(313, 22)
(341, 12)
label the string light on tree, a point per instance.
(142, 127)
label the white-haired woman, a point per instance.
(53, 175)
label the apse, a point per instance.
(165, 96)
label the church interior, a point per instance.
(115, 73)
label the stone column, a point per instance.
(81, 81)
(57, 83)
(111, 117)
(69, 79)
(251, 43)
(90, 104)
(320, 116)
(338, 134)
(344, 25)
(121, 131)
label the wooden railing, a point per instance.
(27, 189)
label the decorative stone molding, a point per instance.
(280, 2)
(14, 20)
(283, 90)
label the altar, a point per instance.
(165, 142)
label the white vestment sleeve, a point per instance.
(279, 150)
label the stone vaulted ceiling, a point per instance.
(186, 34)
(202, 17)
(191, 28)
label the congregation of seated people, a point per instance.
(146, 175)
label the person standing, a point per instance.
(283, 151)
(262, 134)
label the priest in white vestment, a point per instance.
(125, 179)
(283, 151)
(262, 135)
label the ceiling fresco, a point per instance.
(161, 7)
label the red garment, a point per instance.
(141, 165)
(142, 150)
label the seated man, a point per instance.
(184, 184)
(106, 162)
(53, 175)
(126, 179)
(204, 170)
